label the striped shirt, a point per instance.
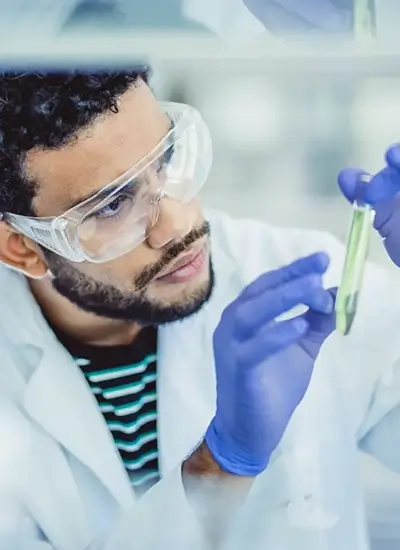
(123, 380)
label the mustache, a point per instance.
(170, 253)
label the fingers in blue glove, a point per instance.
(349, 180)
(320, 326)
(313, 264)
(383, 194)
(264, 371)
(384, 186)
(254, 314)
(271, 339)
(393, 156)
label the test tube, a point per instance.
(353, 271)
(364, 23)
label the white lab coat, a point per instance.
(73, 484)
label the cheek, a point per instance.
(121, 271)
(198, 215)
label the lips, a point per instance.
(184, 260)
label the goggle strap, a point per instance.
(46, 235)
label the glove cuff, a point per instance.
(228, 458)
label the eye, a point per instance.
(113, 208)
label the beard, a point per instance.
(106, 300)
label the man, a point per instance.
(142, 339)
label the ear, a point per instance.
(21, 253)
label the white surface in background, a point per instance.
(387, 19)
(250, 125)
(376, 121)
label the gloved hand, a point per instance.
(263, 366)
(383, 194)
(285, 16)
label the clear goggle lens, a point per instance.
(124, 219)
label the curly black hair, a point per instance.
(46, 110)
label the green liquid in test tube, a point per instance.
(354, 265)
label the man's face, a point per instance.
(166, 278)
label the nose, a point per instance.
(174, 221)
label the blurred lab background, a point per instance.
(279, 140)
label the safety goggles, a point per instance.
(121, 216)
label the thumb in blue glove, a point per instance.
(383, 195)
(264, 365)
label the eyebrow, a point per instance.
(107, 190)
(101, 194)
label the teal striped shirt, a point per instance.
(123, 379)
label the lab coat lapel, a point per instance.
(186, 391)
(58, 399)
(48, 464)
(56, 395)
(186, 374)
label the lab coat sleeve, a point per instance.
(161, 520)
(380, 433)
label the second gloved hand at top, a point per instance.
(264, 365)
(382, 193)
(303, 16)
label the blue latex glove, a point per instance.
(263, 366)
(383, 194)
(285, 16)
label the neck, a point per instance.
(86, 327)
